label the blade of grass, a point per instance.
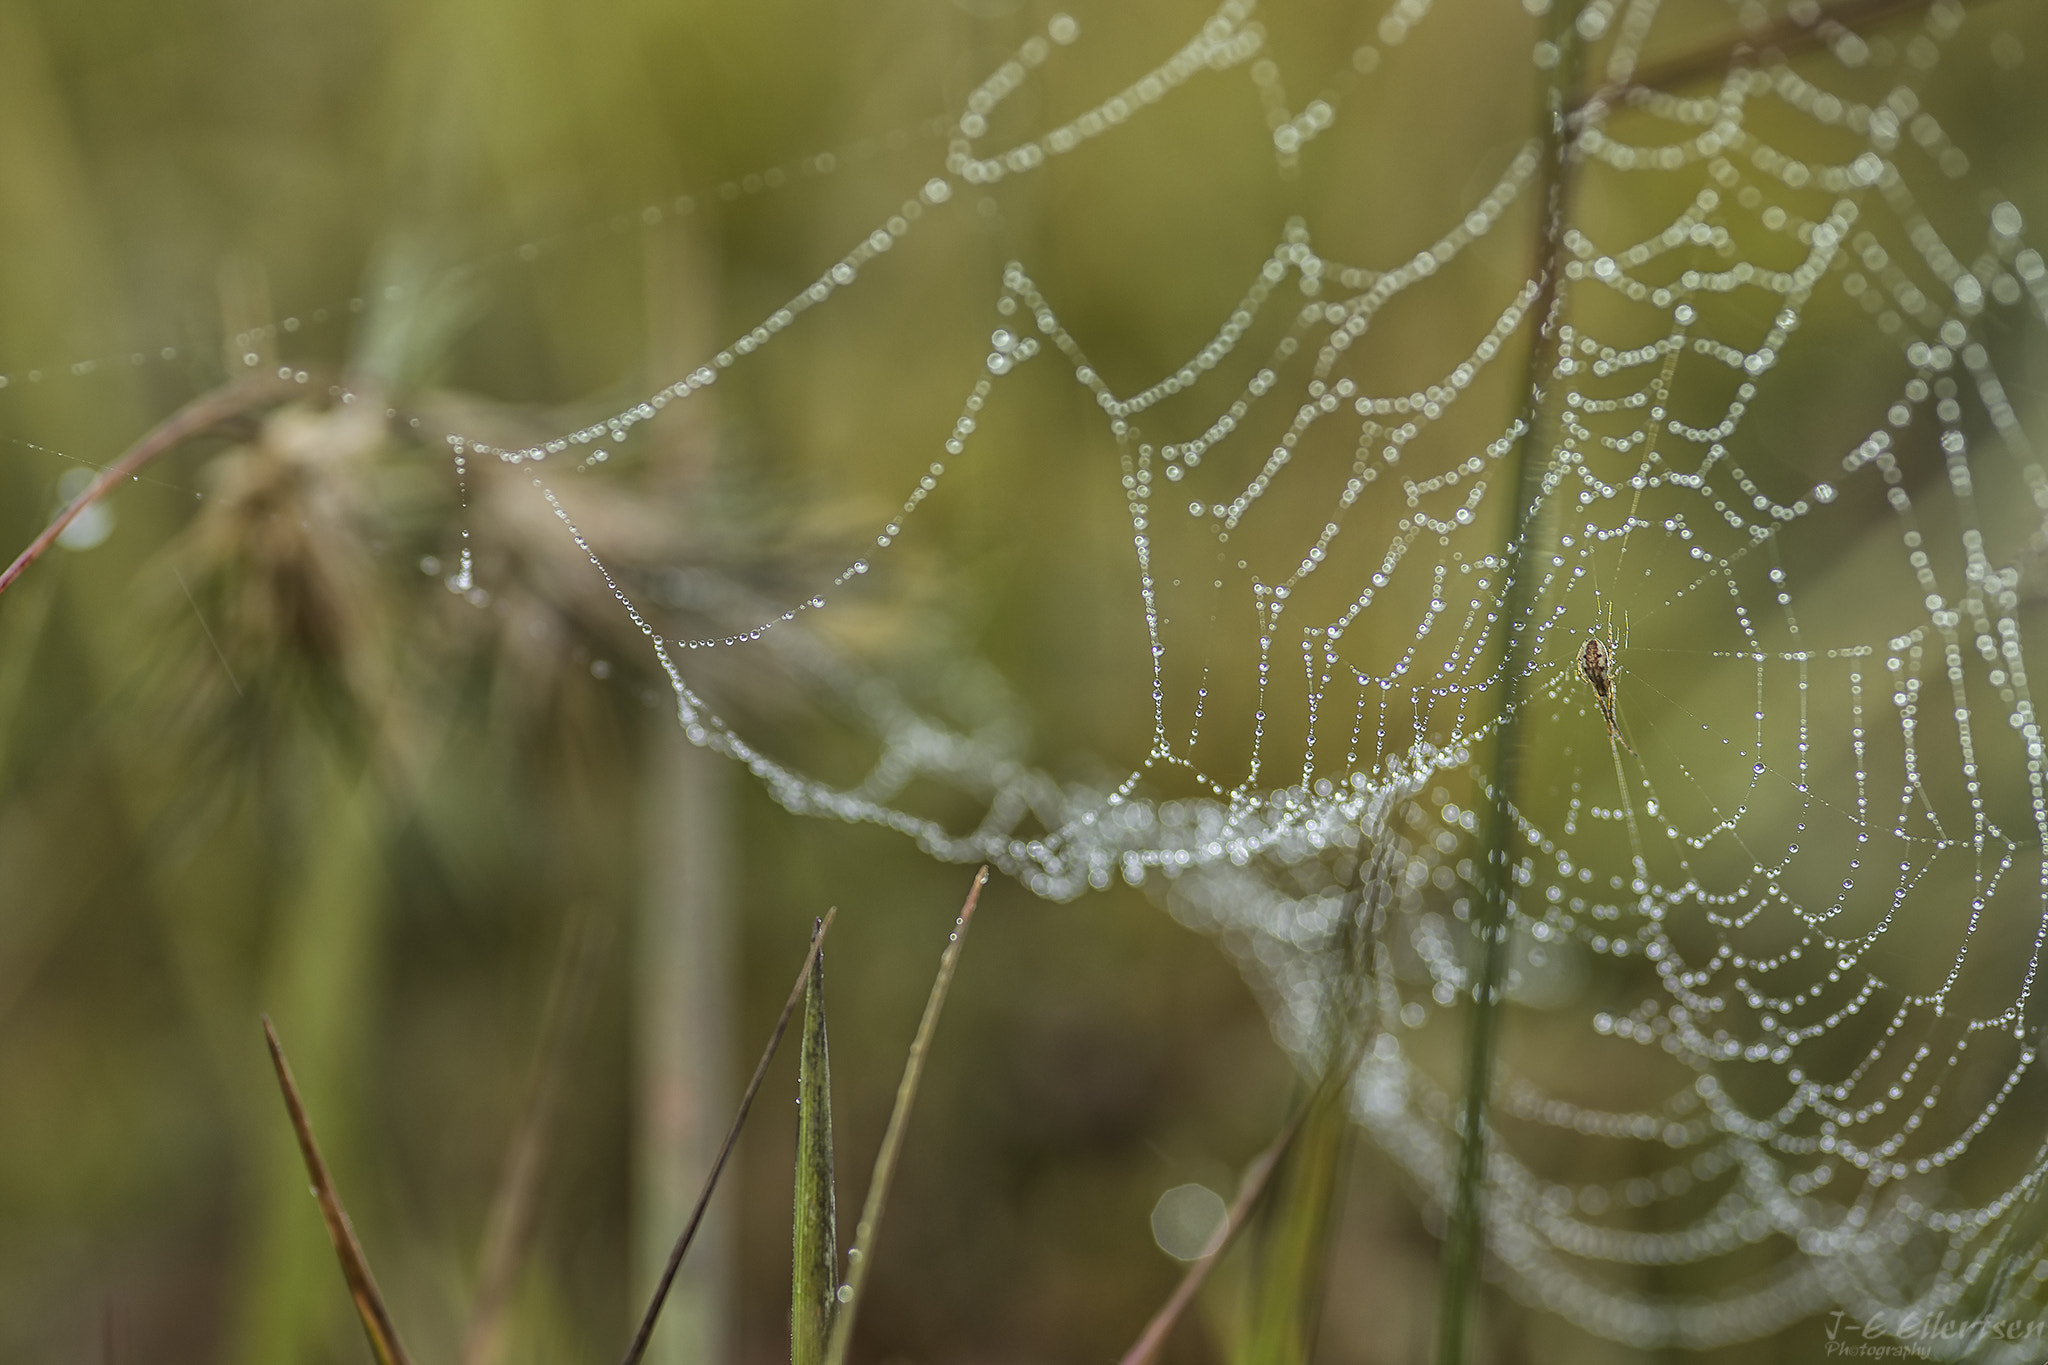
(858, 1259)
(1294, 1238)
(1346, 1026)
(638, 1348)
(1292, 1252)
(814, 1275)
(510, 1223)
(384, 1343)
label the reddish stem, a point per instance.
(207, 410)
(1153, 1339)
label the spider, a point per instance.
(1596, 661)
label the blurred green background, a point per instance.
(255, 755)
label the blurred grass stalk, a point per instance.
(509, 1229)
(685, 956)
(1291, 1255)
(318, 983)
(684, 961)
(1465, 1236)
(321, 954)
(1304, 1165)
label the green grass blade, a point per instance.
(858, 1259)
(384, 1343)
(638, 1347)
(1287, 1284)
(1294, 1238)
(815, 1262)
(1291, 1254)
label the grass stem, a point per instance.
(814, 1240)
(638, 1347)
(362, 1288)
(1464, 1239)
(862, 1254)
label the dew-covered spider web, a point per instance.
(1776, 932)
(1773, 1037)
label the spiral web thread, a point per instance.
(1792, 905)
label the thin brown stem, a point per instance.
(1349, 1033)
(202, 413)
(362, 1288)
(638, 1348)
(1256, 1177)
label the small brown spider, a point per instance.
(1597, 663)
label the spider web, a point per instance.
(1773, 1033)
(1806, 877)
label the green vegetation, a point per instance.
(304, 720)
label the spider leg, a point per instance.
(1613, 728)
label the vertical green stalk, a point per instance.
(1464, 1239)
(319, 988)
(814, 1279)
(682, 1007)
(637, 1350)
